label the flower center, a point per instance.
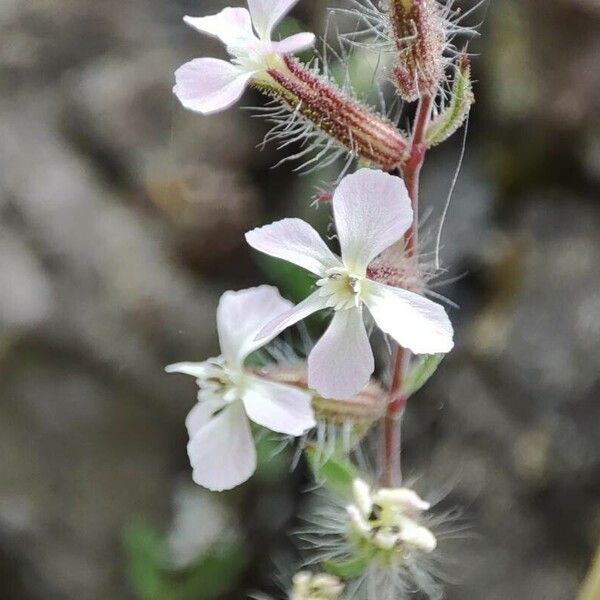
(219, 382)
(340, 288)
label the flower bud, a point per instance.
(346, 122)
(418, 32)
(322, 586)
(453, 116)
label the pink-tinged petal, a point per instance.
(241, 315)
(341, 363)
(222, 452)
(372, 210)
(294, 43)
(307, 307)
(278, 407)
(209, 85)
(267, 13)
(231, 25)
(297, 242)
(201, 414)
(413, 321)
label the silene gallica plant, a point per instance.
(373, 537)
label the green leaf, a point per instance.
(215, 574)
(293, 281)
(336, 473)
(420, 373)
(145, 556)
(346, 569)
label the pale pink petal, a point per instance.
(278, 407)
(267, 13)
(307, 307)
(295, 43)
(209, 85)
(297, 242)
(201, 414)
(232, 25)
(372, 211)
(341, 363)
(194, 369)
(222, 452)
(241, 315)
(413, 321)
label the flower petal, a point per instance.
(232, 25)
(295, 43)
(413, 321)
(201, 414)
(267, 13)
(222, 453)
(189, 368)
(372, 210)
(307, 307)
(209, 85)
(278, 407)
(241, 315)
(341, 363)
(297, 242)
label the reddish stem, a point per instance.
(392, 471)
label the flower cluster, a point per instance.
(386, 522)
(371, 278)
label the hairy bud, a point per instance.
(417, 30)
(453, 116)
(345, 121)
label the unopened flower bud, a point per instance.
(322, 586)
(418, 32)
(346, 122)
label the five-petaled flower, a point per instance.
(372, 211)
(209, 85)
(221, 447)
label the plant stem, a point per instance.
(392, 425)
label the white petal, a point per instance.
(341, 363)
(188, 368)
(267, 13)
(231, 25)
(413, 321)
(209, 85)
(295, 43)
(240, 317)
(222, 453)
(297, 242)
(278, 407)
(307, 307)
(201, 414)
(372, 211)
(362, 495)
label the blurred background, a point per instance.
(121, 222)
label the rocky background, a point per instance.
(121, 221)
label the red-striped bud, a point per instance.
(351, 125)
(418, 32)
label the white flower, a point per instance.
(321, 586)
(371, 211)
(388, 519)
(209, 85)
(221, 447)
